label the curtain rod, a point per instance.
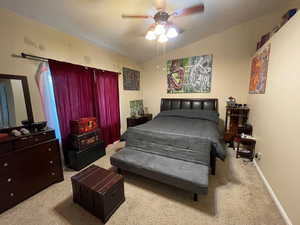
(42, 59)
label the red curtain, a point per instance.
(74, 94)
(107, 95)
(86, 92)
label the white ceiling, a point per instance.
(100, 22)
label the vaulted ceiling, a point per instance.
(100, 22)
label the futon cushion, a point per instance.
(189, 176)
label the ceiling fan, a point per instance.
(163, 29)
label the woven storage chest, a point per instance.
(99, 191)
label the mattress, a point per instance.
(187, 135)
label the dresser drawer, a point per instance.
(6, 147)
(23, 142)
(28, 140)
(44, 136)
(7, 183)
(8, 165)
(8, 197)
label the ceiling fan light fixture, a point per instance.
(150, 35)
(162, 38)
(172, 32)
(159, 29)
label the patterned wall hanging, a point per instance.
(259, 72)
(131, 79)
(190, 75)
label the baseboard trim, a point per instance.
(274, 197)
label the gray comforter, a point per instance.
(188, 135)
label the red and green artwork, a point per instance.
(259, 72)
(190, 75)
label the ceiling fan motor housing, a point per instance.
(161, 17)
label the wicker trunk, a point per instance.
(99, 191)
(77, 160)
(84, 141)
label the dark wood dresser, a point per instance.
(135, 121)
(28, 164)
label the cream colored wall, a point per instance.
(231, 49)
(19, 34)
(275, 116)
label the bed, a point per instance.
(178, 147)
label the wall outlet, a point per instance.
(258, 156)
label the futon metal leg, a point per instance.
(119, 171)
(213, 163)
(195, 197)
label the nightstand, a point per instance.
(245, 148)
(134, 121)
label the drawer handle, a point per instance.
(53, 174)
(12, 194)
(49, 149)
(5, 164)
(51, 162)
(9, 180)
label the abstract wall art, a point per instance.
(259, 72)
(190, 75)
(131, 79)
(136, 107)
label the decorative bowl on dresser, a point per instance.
(99, 191)
(28, 164)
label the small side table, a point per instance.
(245, 148)
(135, 121)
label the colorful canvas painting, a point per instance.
(131, 79)
(259, 72)
(136, 107)
(190, 75)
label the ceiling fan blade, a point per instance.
(160, 5)
(126, 16)
(189, 11)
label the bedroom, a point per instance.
(95, 36)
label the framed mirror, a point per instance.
(15, 104)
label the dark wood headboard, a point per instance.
(189, 103)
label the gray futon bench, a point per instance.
(192, 177)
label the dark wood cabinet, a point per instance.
(235, 121)
(28, 164)
(135, 121)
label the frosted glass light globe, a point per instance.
(162, 38)
(159, 29)
(150, 35)
(172, 33)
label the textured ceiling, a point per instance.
(100, 22)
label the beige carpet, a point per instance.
(236, 196)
